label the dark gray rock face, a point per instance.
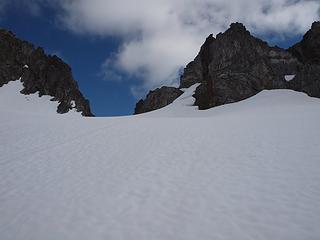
(308, 53)
(308, 50)
(156, 99)
(39, 72)
(235, 66)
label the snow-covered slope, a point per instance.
(249, 170)
(11, 100)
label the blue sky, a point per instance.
(143, 50)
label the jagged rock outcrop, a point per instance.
(157, 98)
(39, 72)
(308, 50)
(235, 66)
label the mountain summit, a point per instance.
(45, 74)
(235, 65)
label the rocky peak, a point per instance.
(207, 43)
(236, 65)
(308, 50)
(315, 26)
(230, 49)
(236, 30)
(237, 27)
(4, 32)
(45, 74)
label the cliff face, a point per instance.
(39, 72)
(235, 65)
(158, 98)
(308, 50)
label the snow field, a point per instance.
(249, 170)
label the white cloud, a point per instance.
(160, 36)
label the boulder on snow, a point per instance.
(157, 98)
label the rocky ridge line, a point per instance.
(45, 74)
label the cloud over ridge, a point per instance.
(158, 37)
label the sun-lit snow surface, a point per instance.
(249, 170)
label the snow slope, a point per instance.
(249, 170)
(11, 100)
